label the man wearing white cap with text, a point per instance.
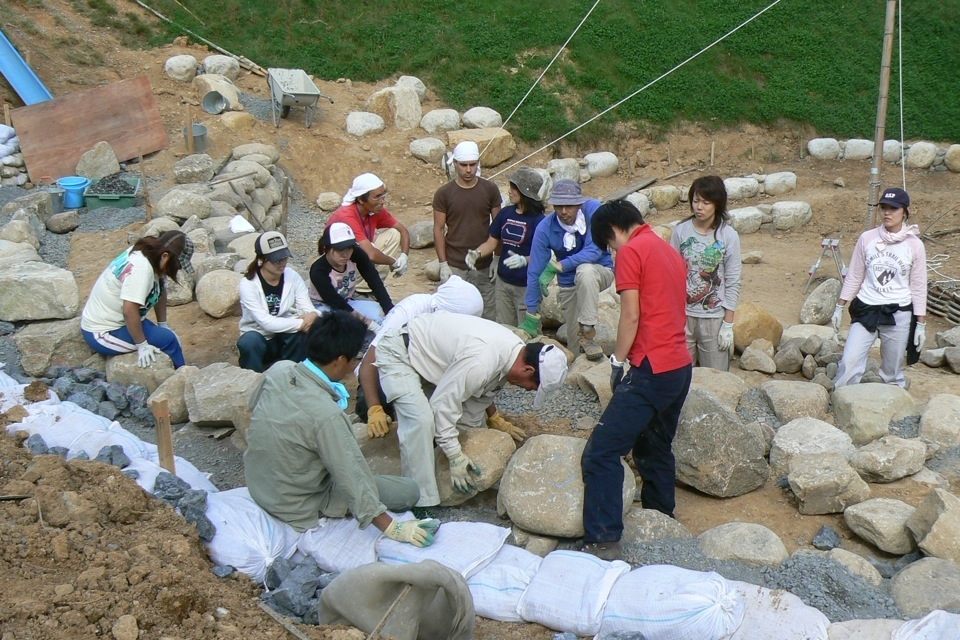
(469, 360)
(462, 211)
(382, 237)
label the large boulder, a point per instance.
(481, 118)
(952, 159)
(858, 149)
(490, 449)
(883, 523)
(542, 487)
(927, 585)
(746, 219)
(198, 167)
(779, 183)
(825, 483)
(889, 458)
(222, 65)
(602, 164)
(440, 121)
(649, 525)
(397, 105)
(940, 421)
(725, 386)
(663, 197)
(743, 541)
(37, 291)
(864, 411)
(430, 150)
(806, 436)
(14, 253)
(715, 452)
(125, 370)
(496, 145)
(564, 169)
(741, 188)
(45, 344)
(936, 525)
(218, 394)
(789, 214)
(180, 204)
(256, 149)
(421, 234)
(363, 123)
(20, 231)
(920, 155)
(182, 67)
(99, 162)
(792, 399)
(819, 305)
(824, 148)
(753, 321)
(415, 83)
(218, 293)
(208, 82)
(172, 390)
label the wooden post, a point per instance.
(189, 131)
(6, 113)
(146, 192)
(284, 204)
(712, 145)
(161, 412)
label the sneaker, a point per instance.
(603, 550)
(588, 343)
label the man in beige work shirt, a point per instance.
(469, 360)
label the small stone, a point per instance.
(826, 539)
(36, 445)
(839, 182)
(113, 454)
(585, 423)
(223, 571)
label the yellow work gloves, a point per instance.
(497, 422)
(419, 533)
(378, 422)
(461, 468)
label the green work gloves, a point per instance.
(419, 533)
(460, 469)
(531, 324)
(549, 272)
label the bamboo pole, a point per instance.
(881, 123)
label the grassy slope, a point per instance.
(811, 61)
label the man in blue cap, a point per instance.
(563, 247)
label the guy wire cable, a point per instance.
(641, 89)
(542, 73)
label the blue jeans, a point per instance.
(258, 353)
(118, 341)
(642, 416)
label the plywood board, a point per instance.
(56, 133)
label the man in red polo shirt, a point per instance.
(363, 211)
(643, 414)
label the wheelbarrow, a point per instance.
(292, 88)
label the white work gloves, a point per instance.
(419, 533)
(920, 336)
(373, 327)
(837, 318)
(725, 337)
(492, 270)
(445, 272)
(513, 261)
(167, 327)
(400, 266)
(472, 256)
(460, 469)
(146, 354)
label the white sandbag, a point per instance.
(6, 132)
(936, 625)
(248, 538)
(663, 602)
(148, 470)
(7, 149)
(339, 544)
(773, 613)
(497, 588)
(92, 442)
(570, 591)
(465, 547)
(872, 629)
(59, 423)
(12, 395)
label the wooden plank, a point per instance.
(636, 186)
(161, 412)
(56, 133)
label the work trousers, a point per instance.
(580, 303)
(388, 241)
(702, 343)
(642, 416)
(511, 308)
(481, 280)
(259, 353)
(118, 341)
(397, 494)
(893, 346)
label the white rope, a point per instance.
(641, 89)
(903, 163)
(542, 73)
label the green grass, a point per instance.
(808, 61)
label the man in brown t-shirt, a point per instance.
(462, 211)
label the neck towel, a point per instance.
(578, 227)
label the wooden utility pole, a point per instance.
(881, 126)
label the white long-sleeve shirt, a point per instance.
(467, 358)
(895, 275)
(294, 302)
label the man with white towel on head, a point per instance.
(382, 237)
(462, 211)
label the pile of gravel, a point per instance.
(89, 389)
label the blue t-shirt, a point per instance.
(515, 233)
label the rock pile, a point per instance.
(916, 155)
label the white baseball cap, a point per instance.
(341, 236)
(553, 372)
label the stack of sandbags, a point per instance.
(13, 173)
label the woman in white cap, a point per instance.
(276, 311)
(114, 319)
(335, 274)
(886, 286)
(511, 236)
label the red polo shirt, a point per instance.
(651, 266)
(364, 227)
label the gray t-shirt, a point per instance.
(713, 268)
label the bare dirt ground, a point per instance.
(90, 546)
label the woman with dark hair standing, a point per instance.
(711, 248)
(886, 286)
(335, 274)
(275, 306)
(114, 318)
(511, 236)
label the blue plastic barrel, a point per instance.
(73, 187)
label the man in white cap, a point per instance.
(462, 211)
(382, 237)
(563, 247)
(469, 360)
